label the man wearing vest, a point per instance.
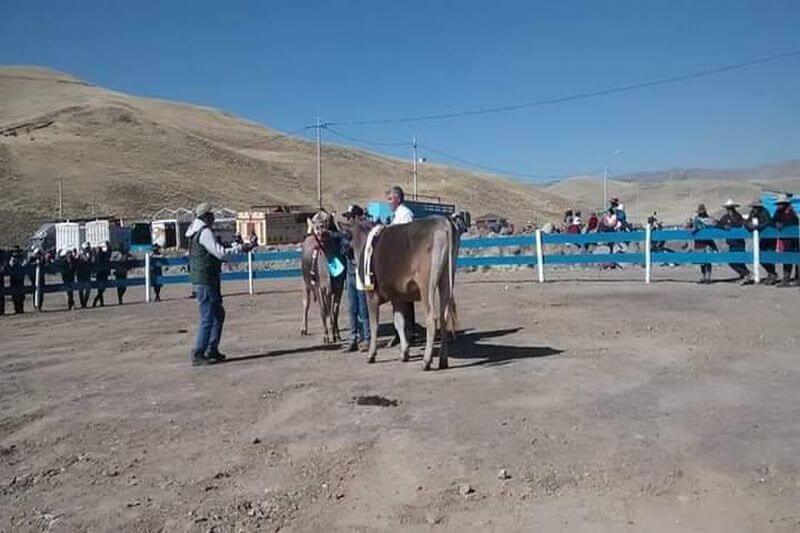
(205, 260)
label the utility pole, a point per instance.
(414, 165)
(605, 188)
(319, 163)
(61, 197)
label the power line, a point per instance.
(364, 141)
(577, 96)
(495, 169)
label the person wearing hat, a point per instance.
(785, 216)
(205, 259)
(759, 218)
(3, 268)
(356, 298)
(733, 219)
(121, 267)
(156, 271)
(83, 273)
(703, 221)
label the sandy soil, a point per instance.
(611, 405)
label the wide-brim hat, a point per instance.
(783, 199)
(203, 208)
(701, 207)
(352, 211)
(730, 203)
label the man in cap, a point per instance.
(3, 268)
(205, 258)
(703, 221)
(785, 217)
(733, 219)
(759, 218)
(356, 298)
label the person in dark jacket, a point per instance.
(121, 267)
(356, 299)
(205, 258)
(102, 271)
(156, 271)
(37, 264)
(785, 217)
(703, 221)
(730, 220)
(67, 268)
(17, 267)
(759, 218)
(83, 274)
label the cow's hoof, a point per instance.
(303, 332)
(371, 359)
(405, 357)
(426, 366)
(443, 365)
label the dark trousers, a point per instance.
(68, 285)
(768, 245)
(789, 246)
(121, 288)
(357, 306)
(2, 296)
(102, 279)
(84, 291)
(740, 268)
(18, 295)
(212, 317)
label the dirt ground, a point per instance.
(611, 405)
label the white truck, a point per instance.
(100, 231)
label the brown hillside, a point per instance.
(131, 156)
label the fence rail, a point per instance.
(533, 245)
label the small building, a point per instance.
(274, 224)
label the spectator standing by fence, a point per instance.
(37, 263)
(66, 267)
(759, 218)
(121, 267)
(700, 222)
(83, 273)
(102, 271)
(732, 219)
(156, 271)
(784, 217)
(16, 272)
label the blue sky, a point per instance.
(285, 63)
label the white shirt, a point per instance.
(402, 215)
(207, 239)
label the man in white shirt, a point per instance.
(402, 215)
(396, 199)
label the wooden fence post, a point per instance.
(539, 256)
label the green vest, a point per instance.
(204, 268)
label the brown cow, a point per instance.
(317, 280)
(412, 262)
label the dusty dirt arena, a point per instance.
(611, 405)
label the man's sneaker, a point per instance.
(350, 347)
(201, 361)
(216, 357)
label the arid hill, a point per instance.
(119, 154)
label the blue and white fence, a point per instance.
(536, 257)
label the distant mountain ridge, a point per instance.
(785, 169)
